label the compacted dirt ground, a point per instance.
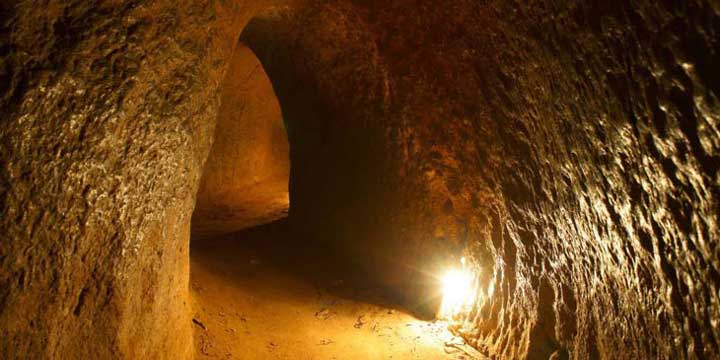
(261, 294)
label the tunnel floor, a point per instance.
(258, 294)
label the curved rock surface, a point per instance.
(245, 179)
(106, 117)
(568, 150)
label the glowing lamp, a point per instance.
(457, 292)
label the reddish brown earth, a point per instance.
(245, 179)
(262, 294)
(569, 150)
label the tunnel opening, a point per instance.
(245, 180)
(261, 287)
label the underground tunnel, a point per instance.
(256, 283)
(359, 179)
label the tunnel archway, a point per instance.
(245, 178)
(254, 272)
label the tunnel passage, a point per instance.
(567, 150)
(261, 290)
(245, 179)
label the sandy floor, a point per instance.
(260, 295)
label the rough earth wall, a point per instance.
(107, 112)
(245, 179)
(569, 149)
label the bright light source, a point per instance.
(457, 292)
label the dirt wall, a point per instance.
(569, 150)
(107, 111)
(245, 179)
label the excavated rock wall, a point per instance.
(107, 113)
(249, 158)
(568, 149)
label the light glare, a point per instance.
(457, 292)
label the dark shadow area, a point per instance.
(277, 246)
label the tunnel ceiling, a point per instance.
(568, 150)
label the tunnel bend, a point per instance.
(245, 179)
(270, 279)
